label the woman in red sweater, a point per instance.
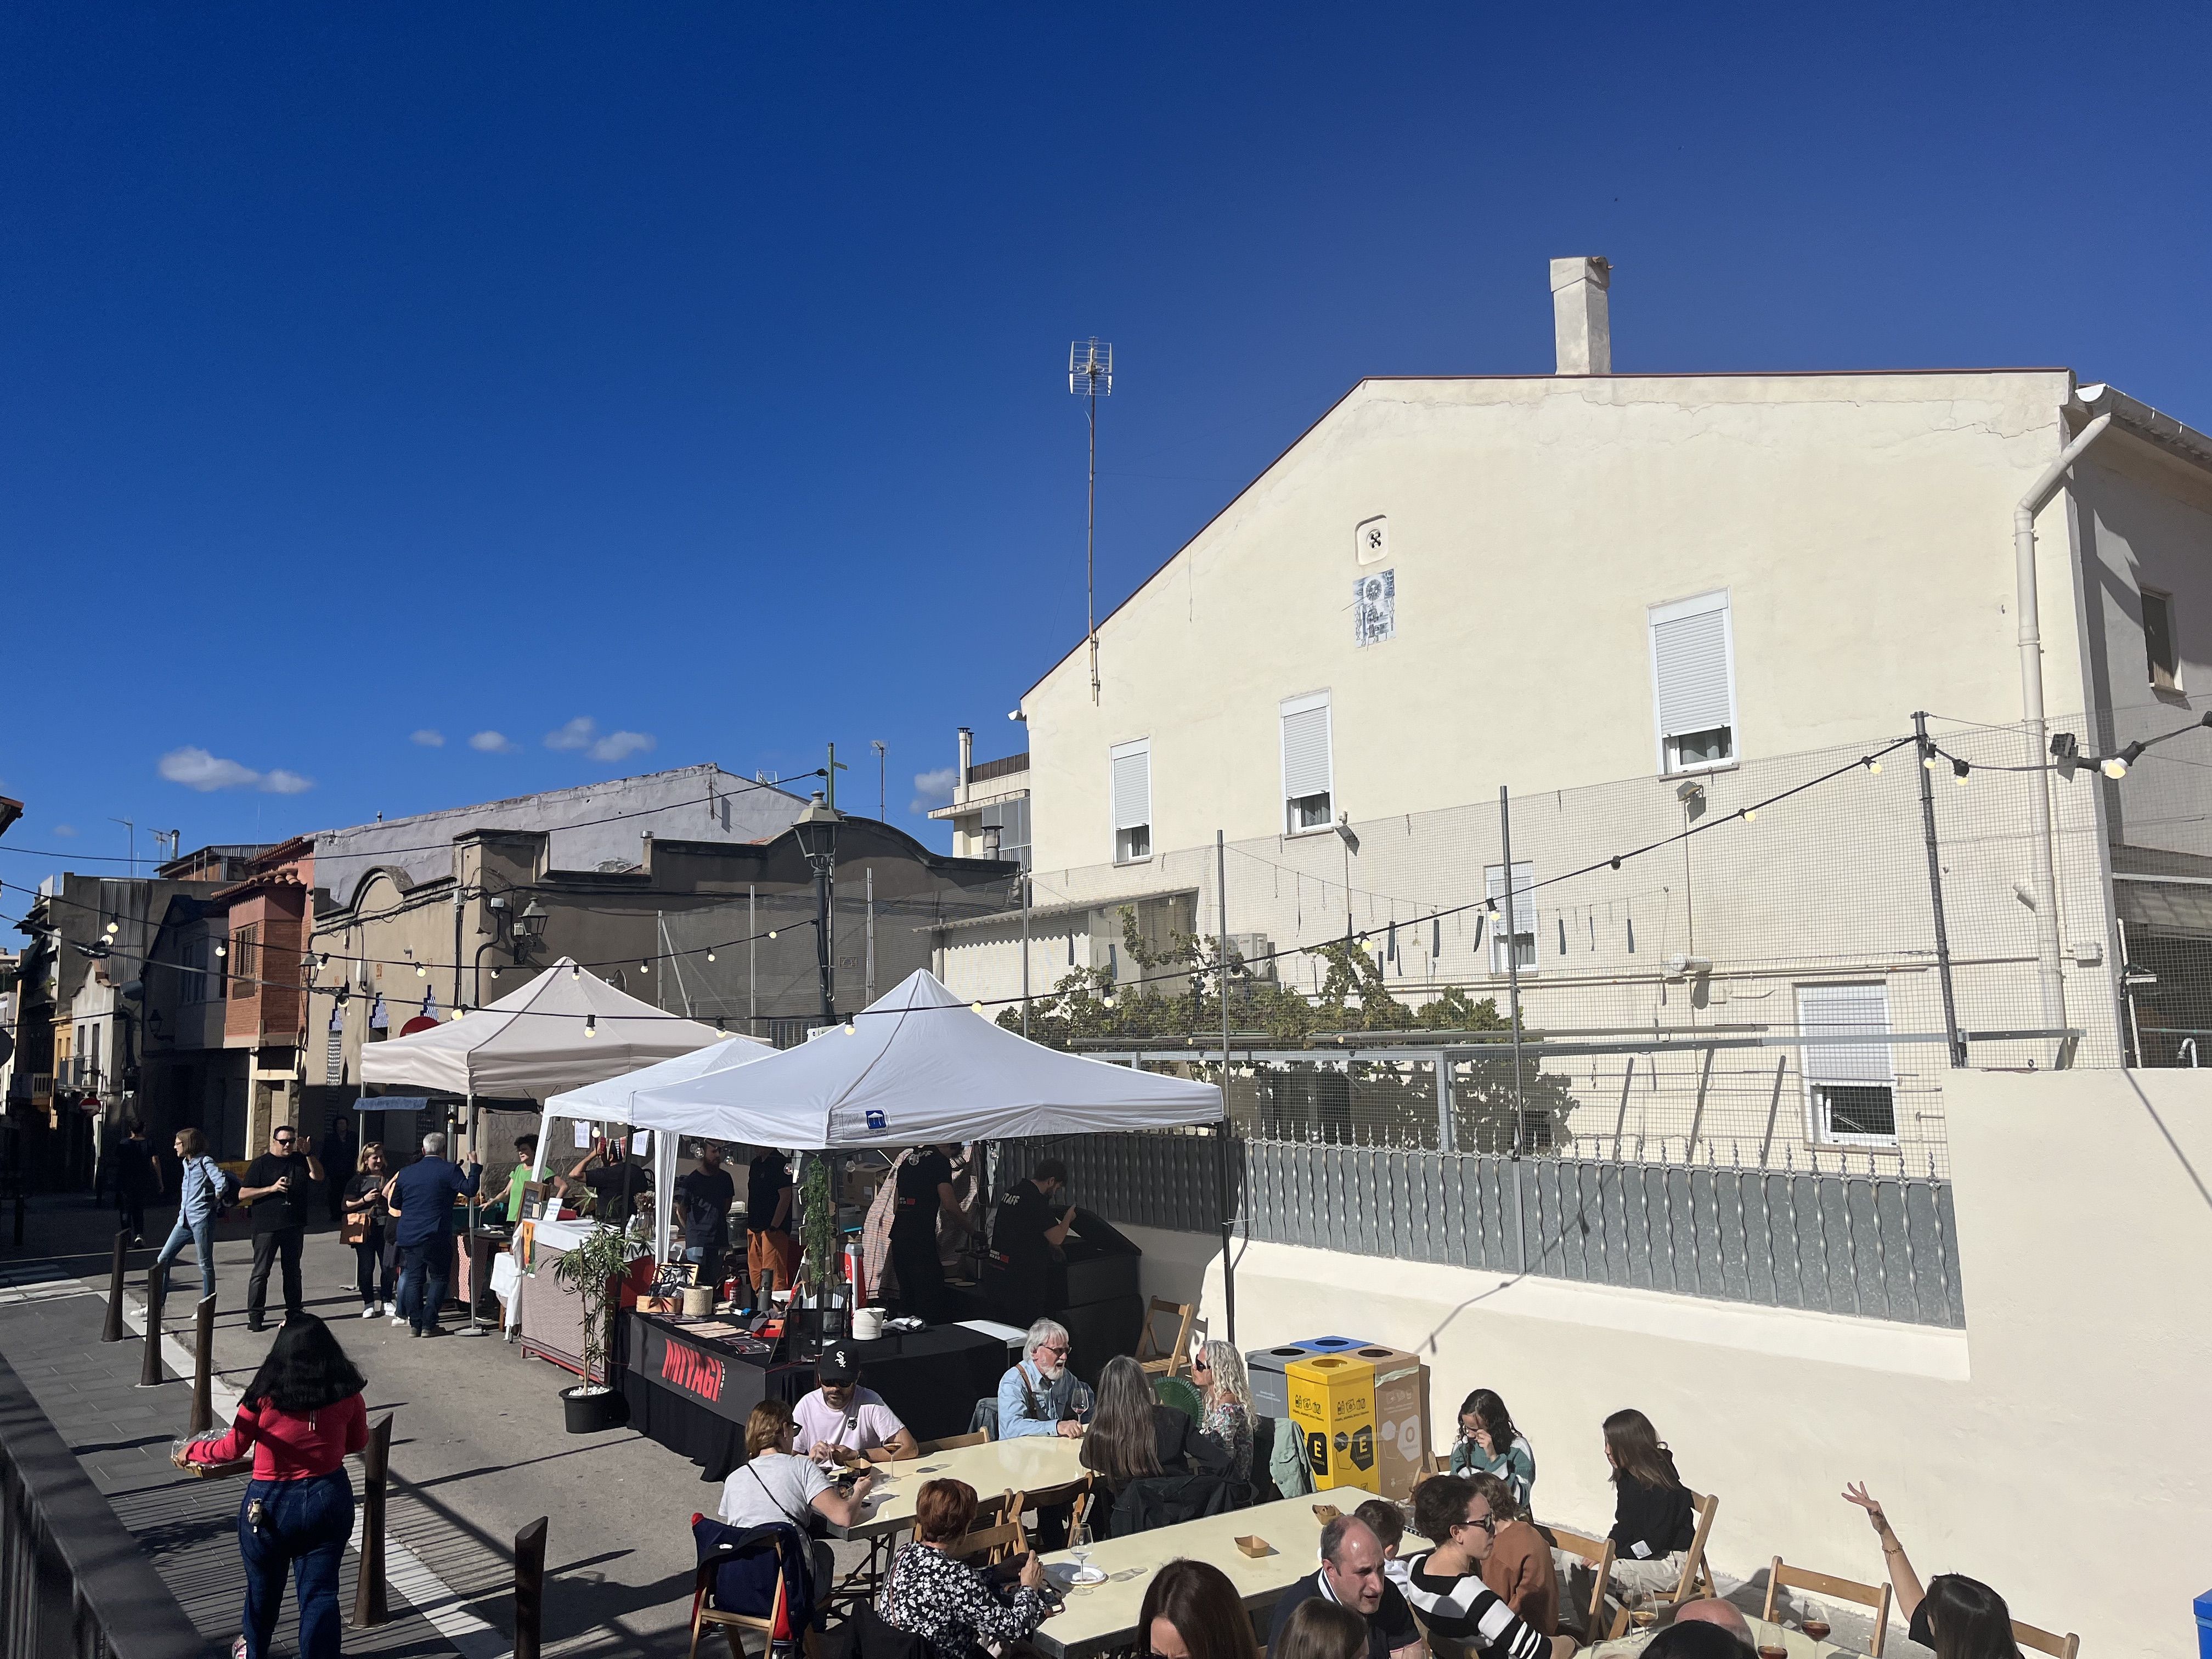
(301, 1415)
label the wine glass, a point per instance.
(1079, 1547)
(1814, 1621)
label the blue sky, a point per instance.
(697, 372)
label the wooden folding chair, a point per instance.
(731, 1623)
(1075, 1494)
(928, 1448)
(1598, 1554)
(2060, 1647)
(1175, 1359)
(1697, 1578)
(1780, 1576)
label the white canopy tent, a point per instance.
(565, 1029)
(920, 1065)
(609, 1102)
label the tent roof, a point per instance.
(609, 1102)
(920, 1066)
(533, 1041)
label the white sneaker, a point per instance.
(398, 1319)
(368, 1311)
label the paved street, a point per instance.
(478, 1451)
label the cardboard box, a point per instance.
(1333, 1404)
(1401, 1416)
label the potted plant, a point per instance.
(820, 1271)
(594, 1270)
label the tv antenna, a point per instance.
(1090, 376)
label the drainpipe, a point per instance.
(2049, 974)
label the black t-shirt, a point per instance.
(1920, 1632)
(1390, 1626)
(767, 1177)
(914, 1220)
(703, 1200)
(1025, 1216)
(617, 1186)
(278, 1211)
(1660, 1519)
(360, 1187)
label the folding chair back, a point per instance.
(1174, 1359)
(928, 1448)
(1074, 1495)
(2043, 1641)
(1780, 1576)
(1697, 1581)
(1598, 1552)
(778, 1619)
(990, 1544)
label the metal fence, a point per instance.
(72, 1581)
(1879, 1247)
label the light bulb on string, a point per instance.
(323, 960)
(575, 970)
(1871, 763)
(710, 956)
(1751, 815)
(976, 1007)
(771, 933)
(1958, 771)
(590, 1025)
(222, 949)
(2113, 766)
(1933, 760)
(114, 927)
(644, 966)
(851, 1028)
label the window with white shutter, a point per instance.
(1308, 791)
(1131, 767)
(1521, 931)
(1694, 683)
(1850, 1087)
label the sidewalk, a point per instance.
(478, 1451)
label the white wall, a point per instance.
(2054, 1449)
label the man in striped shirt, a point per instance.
(1465, 1616)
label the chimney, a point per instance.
(966, 763)
(1580, 325)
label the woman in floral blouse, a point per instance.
(1219, 1371)
(946, 1602)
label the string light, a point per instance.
(644, 966)
(222, 949)
(2113, 766)
(590, 1025)
(1933, 760)
(852, 1029)
(710, 956)
(1958, 770)
(114, 927)
(324, 960)
(458, 1012)
(1871, 764)
(771, 933)
(575, 970)
(977, 1006)
(1751, 815)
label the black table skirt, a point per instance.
(932, 1379)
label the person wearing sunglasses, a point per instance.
(278, 1186)
(1464, 1615)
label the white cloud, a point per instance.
(429, 739)
(278, 782)
(65, 829)
(583, 733)
(933, 788)
(196, 769)
(494, 743)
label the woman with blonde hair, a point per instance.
(1219, 1371)
(774, 1485)
(367, 1223)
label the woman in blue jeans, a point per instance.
(302, 1416)
(199, 1194)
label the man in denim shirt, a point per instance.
(1041, 1396)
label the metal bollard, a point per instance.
(113, 1331)
(203, 1369)
(369, 1603)
(529, 1588)
(157, 1293)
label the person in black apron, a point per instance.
(1031, 1226)
(925, 1191)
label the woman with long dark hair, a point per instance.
(1133, 1437)
(300, 1416)
(1960, 1617)
(1490, 1444)
(1192, 1611)
(1653, 1517)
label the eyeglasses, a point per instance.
(1200, 1365)
(1051, 1347)
(1487, 1523)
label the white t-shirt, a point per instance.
(774, 1486)
(863, 1425)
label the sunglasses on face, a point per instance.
(1200, 1365)
(284, 1140)
(1487, 1523)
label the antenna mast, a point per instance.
(1090, 376)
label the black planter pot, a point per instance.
(589, 1413)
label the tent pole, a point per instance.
(476, 1290)
(1222, 1185)
(663, 1191)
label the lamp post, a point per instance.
(816, 830)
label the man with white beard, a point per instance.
(1041, 1396)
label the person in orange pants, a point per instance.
(769, 1248)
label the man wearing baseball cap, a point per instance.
(843, 1422)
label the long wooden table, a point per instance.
(1101, 1618)
(1801, 1646)
(1029, 1463)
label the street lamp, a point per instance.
(530, 923)
(816, 831)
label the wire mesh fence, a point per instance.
(1767, 965)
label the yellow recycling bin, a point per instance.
(1333, 1404)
